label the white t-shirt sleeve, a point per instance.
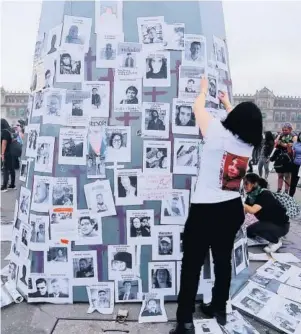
(215, 130)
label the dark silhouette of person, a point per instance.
(52, 46)
(96, 101)
(24, 272)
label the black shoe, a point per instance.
(183, 328)
(12, 187)
(209, 311)
(3, 189)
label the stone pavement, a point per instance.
(65, 319)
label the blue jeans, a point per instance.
(264, 163)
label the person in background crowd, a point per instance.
(266, 151)
(234, 136)
(273, 222)
(295, 165)
(7, 159)
(283, 156)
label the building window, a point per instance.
(293, 116)
(299, 116)
(283, 117)
(21, 112)
(277, 117)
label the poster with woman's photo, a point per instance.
(76, 32)
(126, 187)
(129, 60)
(213, 88)
(128, 94)
(190, 81)
(41, 193)
(233, 169)
(183, 118)
(72, 146)
(162, 278)
(236, 323)
(97, 149)
(48, 72)
(157, 69)
(139, 226)
(239, 256)
(185, 156)
(153, 309)
(98, 104)
(24, 204)
(37, 109)
(150, 32)
(64, 193)
(70, 65)
(106, 49)
(39, 238)
(89, 228)
(155, 120)
(175, 206)
(33, 131)
(166, 243)
(54, 101)
(220, 53)
(108, 16)
(63, 223)
(100, 199)
(84, 268)
(195, 53)
(122, 260)
(54, 39)
(276, 270)
(119, 144)
(24, 170)
(25, 234)
(57, 259)
(156, 156)
(101, 297)
(75, 112)
(174, 36)
(128, 289)
(44, 158)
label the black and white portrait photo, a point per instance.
(236, 324)
(129, 60)
(54, 104)
(40, 287)
(183, 118)
(288, 325)
(261, 280)
(156, 158)
(152, 308)
(293, 309)
(83, 267)
(70, 65)
(95, 98)
(100, 204)
(127, 97)
(150, 30)
(130, 96)
(48, 79)
(62, 195)
(72, 148)
(161, 278)
(212, 89)
(43, 153)
(76, 31)
(39, 228)
(127, 186)
(140, 227)
(154, 121)
(157, 70)
(174, 207)
(128, 290)
(33, 133)
(23, 274)
(58, 288)
(119, 144)
(239, 256)
(252, 305)
(121, 260)
(97, 105)
(38, 102)
(88, 227)
(77, 108)
(195, 50)
(106, 49)
(57, 254)
(260, 294)
(41, 194)
(24, 201)
(54, 38)
(174, 36)
(165, 245)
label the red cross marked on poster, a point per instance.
(154, 93)
(89, 59)
(127, 118)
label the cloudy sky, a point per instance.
(263, 39)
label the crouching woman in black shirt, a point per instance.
(273, 222)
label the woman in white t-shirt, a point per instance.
(216, 212)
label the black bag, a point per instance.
(15, 148)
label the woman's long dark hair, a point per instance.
(4, 125)
(268, 136)
(245, 121)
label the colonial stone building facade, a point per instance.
(276, 110)
(13, 105)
